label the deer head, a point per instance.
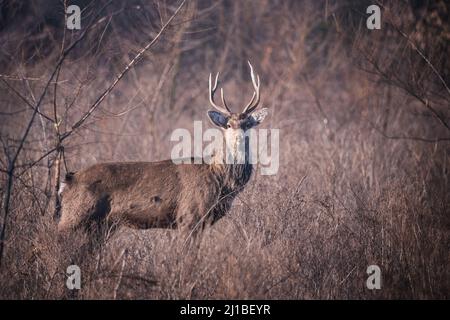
(236, 125)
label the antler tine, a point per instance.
(256, 96)
(212, 90)
(223, 99)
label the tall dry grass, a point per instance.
(364, 148)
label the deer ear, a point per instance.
(258, 116)
(218, 119)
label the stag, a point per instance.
(163, 194)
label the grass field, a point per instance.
(364, 145)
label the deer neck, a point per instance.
(233, 161)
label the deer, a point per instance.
(186, 196)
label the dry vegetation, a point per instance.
(364, 164)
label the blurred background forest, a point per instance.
(364, 120)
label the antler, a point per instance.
(255, 98)
(212, 90)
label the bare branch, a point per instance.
(120, 76)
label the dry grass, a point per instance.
(359, 183)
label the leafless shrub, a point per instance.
(363, 173)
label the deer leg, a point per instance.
(82, 228)
(190, 228)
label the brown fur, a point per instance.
(163, 194)
(151, 194)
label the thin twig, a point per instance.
(105, 93)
